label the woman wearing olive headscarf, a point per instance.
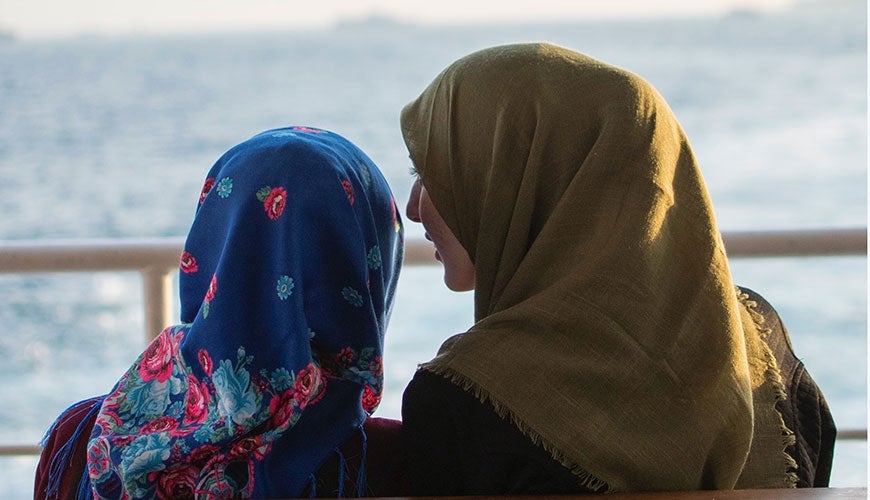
(610, 350)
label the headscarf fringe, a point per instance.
(342, 465)
(773, 376)
(62, 459)
(85, 492)
(361, 474)
(586, 478)
(312, 490)
(344, 470)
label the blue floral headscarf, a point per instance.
(286, 283)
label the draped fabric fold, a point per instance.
(286, 284)
(607, 324)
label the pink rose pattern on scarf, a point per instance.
(201, 410)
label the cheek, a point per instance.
(459, 275)
(412, 210)
(440, 234)
(430, 217)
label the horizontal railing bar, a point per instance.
(796, 243)
(26, 256)
(852, 435)
(11, 450)
(8, 450)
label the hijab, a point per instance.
(607, 326)
(286, 284)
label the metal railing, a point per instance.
(156, 259)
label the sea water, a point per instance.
(112, 136)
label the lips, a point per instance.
(437, 255)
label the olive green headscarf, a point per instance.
(607, 325)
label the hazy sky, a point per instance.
(38, 18)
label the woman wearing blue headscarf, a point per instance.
(286, 284)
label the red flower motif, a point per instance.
(196, 402)
(176, 341)
(345, 357)
(178, 483)
(115, 398)
(376, 366)
(202, 454)
(160, 424)
(98, 457)
(123, 440)
(209, 183)
(328, 367)
(212, 289)
(348, 189)
(274, 202)
(249, 447)
(205, 361)
(281, 408)
(156, 360)
(370, 399)
(182, 431)
(308, 384)
(308, 130)
(321, 391)
(188, 263)
(108, 421)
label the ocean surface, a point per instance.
(112, 136)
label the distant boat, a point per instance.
(744, 14)
(374, 22)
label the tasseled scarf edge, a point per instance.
(586, 478)
(361, 484)
(62, 458)
(773, 376)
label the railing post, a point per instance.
(157, 293)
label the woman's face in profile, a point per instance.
(458, 268)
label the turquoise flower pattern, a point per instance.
(352, 296)
(364, 366)
(374, 257)
(207, 401)
(145, 454)
(161, 405)
(235, 398)
(366, 174)
(281, 379)
(282, 133)
(285, 287)
(224, 187)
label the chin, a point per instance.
(458, 285)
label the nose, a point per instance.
(412, 210)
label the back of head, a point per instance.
(286, 282)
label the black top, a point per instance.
(456, 445)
